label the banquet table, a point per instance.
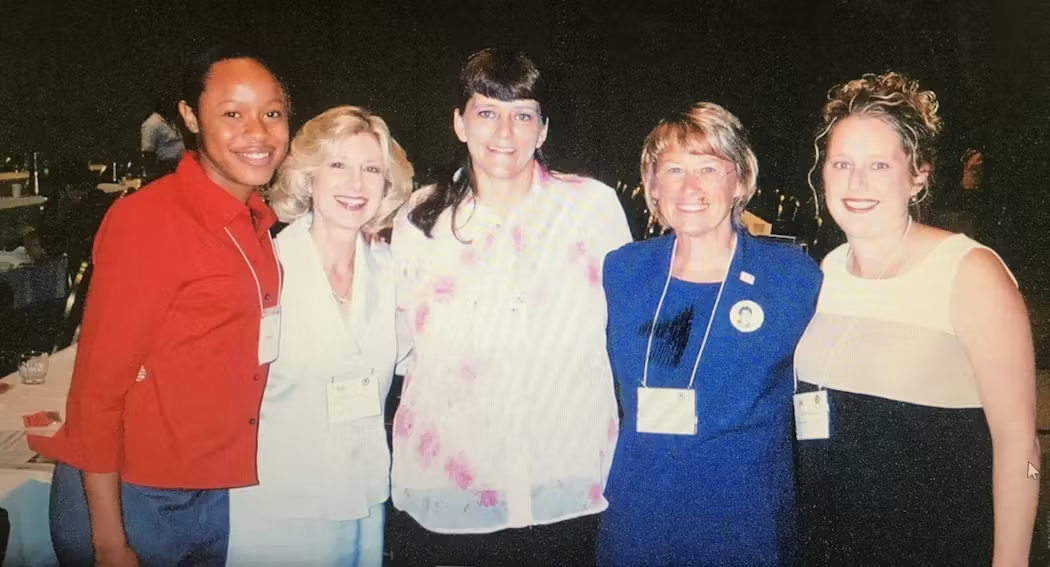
(14, 183)
(19, 202)
(24, 481)
(121, 186)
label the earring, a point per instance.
(916, 199)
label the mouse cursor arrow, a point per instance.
(1033, 473)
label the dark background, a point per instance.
(77, 79)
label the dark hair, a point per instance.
(495, 73)
(196, 76)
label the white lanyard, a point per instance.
(258, 285)
(710, 320)
(849, 326)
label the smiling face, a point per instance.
(348, 186)
(695, 191)
(501, 136)
(868, 178)
(242, 123)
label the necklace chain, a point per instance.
(898, 250)
(340, 299)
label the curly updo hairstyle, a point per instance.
(897, 100)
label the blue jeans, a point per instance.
(165, 527)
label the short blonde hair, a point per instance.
(290, 195)
(709, 128)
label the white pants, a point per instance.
(260, 541)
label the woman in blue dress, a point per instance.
(702, 326)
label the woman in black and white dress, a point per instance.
(916, 407)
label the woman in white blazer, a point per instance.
(323, 457)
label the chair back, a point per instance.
(73, 314)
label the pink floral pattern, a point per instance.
(444, 288)
(458, 472)
(428, 448)
(469, 371)
(518, 237)
(594, 274)
(469, 256)
(487, 498)
(506, 316)
(595, 493)
(403, 422)
(579, 249)
(422, 312)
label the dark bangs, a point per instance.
(502, 75)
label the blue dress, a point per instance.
(725, 496)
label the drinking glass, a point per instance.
(33, 367)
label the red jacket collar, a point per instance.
(214, 206)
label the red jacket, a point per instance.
(171, 293)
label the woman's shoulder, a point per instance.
(964, 259)
(417, 197)
(294, 231)
(149, 217)
(379, 251)
(785, 253)
(581, 185)
(639, 252)
(784, 262)
(402, 222)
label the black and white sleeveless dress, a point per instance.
(906, 475)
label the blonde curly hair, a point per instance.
(896, 99)
(290, 194)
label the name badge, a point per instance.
(812, 416)
(353, 398)
(269, 334)
(668, 411)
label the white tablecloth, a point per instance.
(25, 496)
(24, 492)
(115, 187)
(24, 399)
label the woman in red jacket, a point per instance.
(178, 332)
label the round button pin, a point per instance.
(746, 316)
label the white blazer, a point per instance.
(309, 467)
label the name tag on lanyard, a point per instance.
(269, 334)
(667, 411)
(812, 416)
(351, 398)
(672, 411)
(270, 323)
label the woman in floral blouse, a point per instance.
(508, 418)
